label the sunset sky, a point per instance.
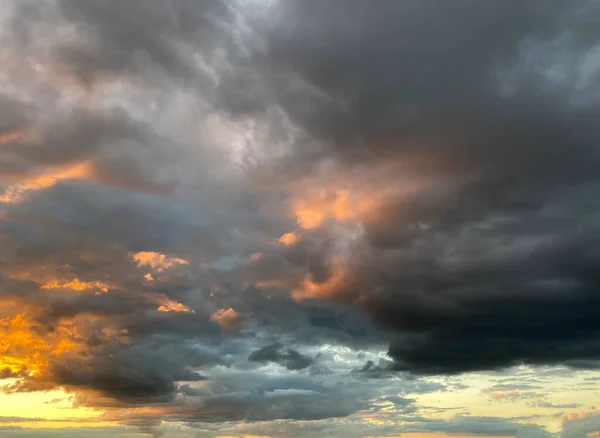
(299, 218)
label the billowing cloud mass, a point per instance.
(302, 217)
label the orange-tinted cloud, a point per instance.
(310, 289)
(17, 136)
(341, 204)
(77, 285)
(23, 347)
(167, 305)
(49, 177)
(157, 261)
(229, 318)
(573, 416)
(346, 196)
(288, 239)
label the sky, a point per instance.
(299, 218)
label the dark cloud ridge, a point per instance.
(417, 82)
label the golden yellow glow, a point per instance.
(22, 348)
(173, 306)
(28, 350)
(19, 347)
(76, 285)
(288, 239)
(51, 405)
(159, 262)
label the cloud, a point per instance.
(355, 428)
(543, 404)
(485, 426)
(580, 425)
(19, 419)
(137, 37)
(294, 212)
(287, 357)
(512, 391)
(229, 318)
(485, 236)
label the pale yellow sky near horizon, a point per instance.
(542, 396)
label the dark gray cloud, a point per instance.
(108, 146)
(7, 373)
(78, 136)
(137, 37)
(287, 357)
(135, 374)
(491, 264)
(14, 115)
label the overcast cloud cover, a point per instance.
(301, 217)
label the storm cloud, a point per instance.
(243, 211)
